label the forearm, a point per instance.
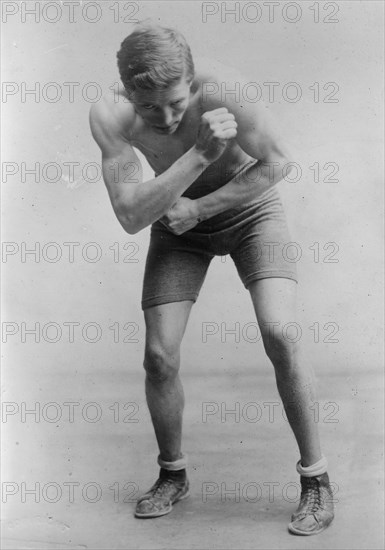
(255, 180)
(151, 199)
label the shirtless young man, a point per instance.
(216, 160)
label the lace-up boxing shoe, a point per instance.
(316, 510)
(163, 494)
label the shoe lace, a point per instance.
(311, 495)
(161, 485)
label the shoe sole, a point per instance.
(163, 512)
(296, 531)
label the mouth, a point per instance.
(167, 129)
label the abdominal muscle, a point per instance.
(217, 174)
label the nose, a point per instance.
(166, 116)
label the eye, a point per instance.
(148, 107)
(177, 102)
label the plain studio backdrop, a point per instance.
(318, 67)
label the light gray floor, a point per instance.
(256, 459)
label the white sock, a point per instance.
(316, 469)
(179, 464)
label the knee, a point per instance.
(281, 350)
(161, 364)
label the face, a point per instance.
(163, 110)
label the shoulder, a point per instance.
(222, 85)
(112, 117)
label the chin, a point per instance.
(167, 131)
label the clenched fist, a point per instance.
(182, 216)
(216, 129)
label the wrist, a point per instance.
(199, 210)
(200, 157)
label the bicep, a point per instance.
(121, 167)
(257, 131)
(122, 173)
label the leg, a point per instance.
(175, 270)
(165, 327)
(261, 263)
(274, 301)
(174, 273)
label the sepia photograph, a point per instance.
(192, 261)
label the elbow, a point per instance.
(127, 217)
(130, 227)
(129, 223)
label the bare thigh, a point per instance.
(275, 304)
(274, 300)
(166, 325)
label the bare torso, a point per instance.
(161, 151)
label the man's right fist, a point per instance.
(215, 129)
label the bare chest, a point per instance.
(162, 151)
(161, 154)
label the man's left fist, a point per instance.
(182, 216)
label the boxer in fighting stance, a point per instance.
(217, 158)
